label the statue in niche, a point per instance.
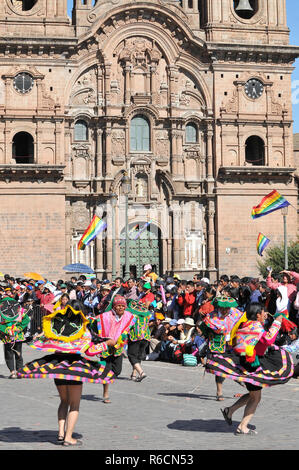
(141, 188)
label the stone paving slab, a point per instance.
(174, 408)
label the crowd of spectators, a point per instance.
(176, 304)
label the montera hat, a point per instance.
(224, 302)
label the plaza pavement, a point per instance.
(174, 408)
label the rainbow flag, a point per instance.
(134, 229)
(95, 227)
(262, 243)
(270, 203)
(142, 230)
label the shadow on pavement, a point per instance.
(189, 395)
(91, 398)
(201, 425)
(15, 434)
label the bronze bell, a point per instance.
(244, 5)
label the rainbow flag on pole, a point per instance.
(132, 231)
(262, 243)
(95, 227)
(142, 230)
(270, 203)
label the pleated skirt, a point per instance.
(276, 367)
(71, 367)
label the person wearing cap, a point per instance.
(104, 299)
(114, 324)
(185, 333)
(157, 333)
(59, 292)
(146, 297)
(91, 300)
(217, 327)
(149, 275)
(177, 339)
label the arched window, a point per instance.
(191, 133)
(23, 148)
(139, 134)
(255, 151)
(81, 130)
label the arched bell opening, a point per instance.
(255, 151)
(246, 9)
(23, 148)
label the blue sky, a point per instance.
(293, 23)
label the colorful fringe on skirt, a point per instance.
(275, 368)
(70, 367)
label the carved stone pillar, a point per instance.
(211, 235)
(210, 151)
(8, 144)
(107, 83)
(127, 84)
(68, 232)
(108, 153)
(174, 152)
(58, 148)
(99, 153)
(37, 149)
(176, 235)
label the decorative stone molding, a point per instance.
(32, 172)
(255, 174)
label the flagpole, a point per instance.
(113, 206)
(284, 212)
(127, 189)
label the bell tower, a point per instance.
(247, 21)
(252, 63)
(34, 18)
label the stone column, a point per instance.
(68, 233)
(37, 149)
(8, 144)
(210, 134)
(58, 148)
(108, 155)
(211, 235)
(174, 156)
(176, 235)
(107, 83)
(67, 150)
(127, 84)
(99, 153)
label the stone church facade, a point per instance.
(190, 99)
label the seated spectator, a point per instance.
(157, 333)
(146, 296)
(198, 345)
(185, 333)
